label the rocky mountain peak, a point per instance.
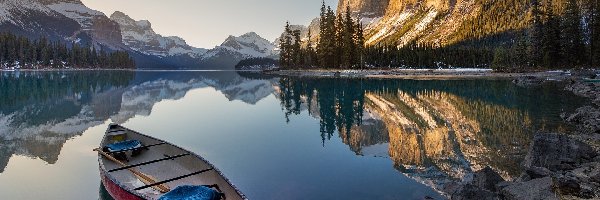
(124, 20)
(49, 2)
(140, 36)
(250, 35)
(364, 8)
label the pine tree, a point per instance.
(571, 37)
(551, 46)
(535, 35)
(348, 43)
(296, 49)
(594, 33)
(285, 46)
(359, 39)
(324, 39)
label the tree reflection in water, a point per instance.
(437, 130)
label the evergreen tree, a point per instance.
(296, 49)
(310, 52)
(285, 46)
(551, 38)
(535, 35)
(22, 52)
(572, 50)
(594, 33)
(359, 40)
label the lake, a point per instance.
(274, 137)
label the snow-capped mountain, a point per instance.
(140, 36)
(72, 21)
(247, 46)
(234, 49)
(34, 19)
(66, 20)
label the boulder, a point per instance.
(586, 119)
(568, 185)
(470, 191)
(538, 172)
(541, 188)
(558, 152)
(589, 90)
(487, 179)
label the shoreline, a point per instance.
(422, 74)
(66, 70)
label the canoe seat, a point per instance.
(189, 192)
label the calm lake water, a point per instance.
(273, 137)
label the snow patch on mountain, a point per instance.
(8, 9)
(249, 45)
(390, 27)
(140, 36)
(76, 11)
(419, 27)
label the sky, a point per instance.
(207, 23)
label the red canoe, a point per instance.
(168, 164)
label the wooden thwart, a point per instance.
(148, 162)
(173, 179)
(147, 179)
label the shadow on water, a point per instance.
(104, 195)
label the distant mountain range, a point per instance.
(71, 21)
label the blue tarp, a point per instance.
(188, 192)
(128, 144)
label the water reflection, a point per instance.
(40, 111)
(433, 131)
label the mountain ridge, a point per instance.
(71, 21)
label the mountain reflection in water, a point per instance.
(434, 131)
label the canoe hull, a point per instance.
(116, 191)
(183, 168)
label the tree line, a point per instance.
(562, 34)
(340, 45)
(23, 53)
(508, 35)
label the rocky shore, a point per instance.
(421, 74)
(558, 165)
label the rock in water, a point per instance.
(528, 81)
(558, 152)
(534, 189)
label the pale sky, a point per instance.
(206, 23)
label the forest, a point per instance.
(19, 52)
(511, 36)
(340, 45)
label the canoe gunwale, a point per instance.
(107, 174)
